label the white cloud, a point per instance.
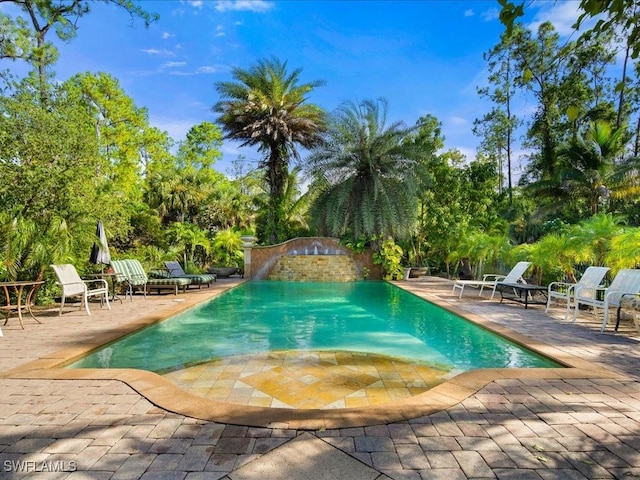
(259, 6)
(177, 129)
(166, 35)
(220, 31)
(173, 64)
(203, 70)
(155, 51)
(561, 14)
(195, 3)
(468, 153)
(458, 121)
(469, 13)
(207, 69)
(490, 15)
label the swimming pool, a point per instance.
(259, 316)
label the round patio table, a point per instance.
(19, 287)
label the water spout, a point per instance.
(315, 250)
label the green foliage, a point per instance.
(201, 147)
(150, 256)
(601, 240)
(294, 208)
(26, 251)
(46, 190)
(624, 250)
(356, 246)
(586, 165)
(189, 240)
(591, 238)
(390, 257)
(483, 251)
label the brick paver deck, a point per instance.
(532, 428)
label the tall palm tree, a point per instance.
(267, 107)
(367, 169)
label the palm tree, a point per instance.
(227, 248)
(590, 240)
(367, 173)
(267, 108)
(587, 163)
(186, 238)
(624, 251)
(477, 248)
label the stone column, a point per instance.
(247, 244)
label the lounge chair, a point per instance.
(491, 279)
(592, 277)
(131, 275)
(72, 285)
(626, 281)
(176, 271)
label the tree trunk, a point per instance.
(465, 270)
(276, 176)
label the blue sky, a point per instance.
(422, 56)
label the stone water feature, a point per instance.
(309, 259)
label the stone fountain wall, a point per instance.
(310, 259)
(314, 268)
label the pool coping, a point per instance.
(164, 394)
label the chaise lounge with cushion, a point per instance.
(132, 276)
(175, 270)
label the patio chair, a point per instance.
(131, 275)
(176, 271)
(492, 279)
(72, 286)
(626, 281)
(592, 277)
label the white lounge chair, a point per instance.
(592, 277)
(626, 281)
(72, 285)
(492, 279)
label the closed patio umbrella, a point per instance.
(100, 251)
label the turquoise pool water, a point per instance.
(259, 316)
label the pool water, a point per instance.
(262, 316)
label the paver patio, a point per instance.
(531, 428)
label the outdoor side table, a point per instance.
(110, 278)
(19, 287)
(524, 293)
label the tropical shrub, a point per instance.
(226, 249)
(390, 257)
